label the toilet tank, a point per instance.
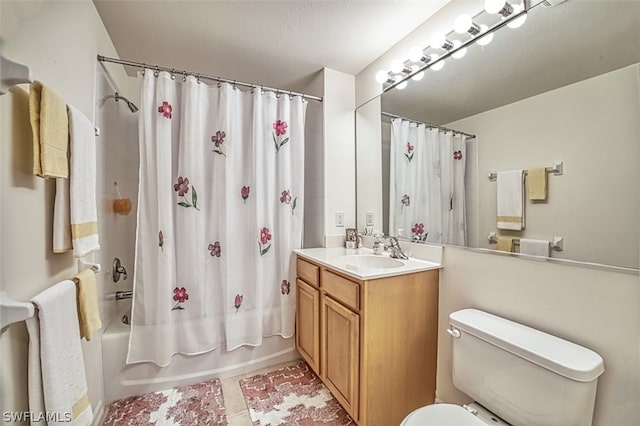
(523, 375)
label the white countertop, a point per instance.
(346, 261)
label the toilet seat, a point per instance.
(441, 415)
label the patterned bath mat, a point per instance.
(199, 404)
(293, 395)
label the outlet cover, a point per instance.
(339, 219)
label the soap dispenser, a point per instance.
(378, 245)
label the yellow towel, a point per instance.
(537, 180)
(505, 244)
(50, 128)
(87, 300)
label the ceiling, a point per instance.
(557, 46)
(281, 44)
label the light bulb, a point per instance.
(402, 85)
(418, 76)
(397, 66)
(458, 53)
(415, 54)
(462, 23)
(381, 76)
(517, 23)
(437, 40)
(437, 66)
(493, 6)
(485, 39)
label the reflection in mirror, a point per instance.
(564, 87)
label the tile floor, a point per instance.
(236, 408)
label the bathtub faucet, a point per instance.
(120, 295)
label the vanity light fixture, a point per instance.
(419, 60)
(485, 39)
(383, 77)
(418, 75)
(517, 23)
(401, 85)
(438, 65)
(416, 54)
(439, 41)
(464, 24)
(398, 67)
(500, 7)
(458, 53)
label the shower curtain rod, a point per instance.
(446, 129)
(205, 76)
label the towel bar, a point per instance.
(556, 244)
(557, 169)
(13, 73)
(95, 267)
(12, 311)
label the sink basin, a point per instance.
(372, 261)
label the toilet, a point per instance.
(516, 375)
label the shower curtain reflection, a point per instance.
(426, 188)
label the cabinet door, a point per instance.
(341, 353)
(308, 324)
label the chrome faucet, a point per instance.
(396, 250)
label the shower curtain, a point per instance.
(426, 185)
(219, 213)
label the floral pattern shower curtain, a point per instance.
(219, 213)
(427, 175)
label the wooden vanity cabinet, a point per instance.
(308, 314)
(373, 343)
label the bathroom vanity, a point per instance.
(367, 325)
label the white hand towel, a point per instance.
(510, 198)
(535, 247)
(62, 378)
(82, 183)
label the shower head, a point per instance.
(130, 104)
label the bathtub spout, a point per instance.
(120, 295)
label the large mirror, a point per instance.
(563, 89)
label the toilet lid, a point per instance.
(441, 415)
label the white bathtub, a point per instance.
(121, 380)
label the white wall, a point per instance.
(59, 41)
(593, 127)
(117, 161)
(369, 166)
(339, 153)
(599, 309)
(314, 213)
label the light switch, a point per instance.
(369, 219)
(339, 219)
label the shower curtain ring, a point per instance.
(173, 77)
(156, 71)
(278, 93)
(184, 76)
(234, 85)
(198, 78)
